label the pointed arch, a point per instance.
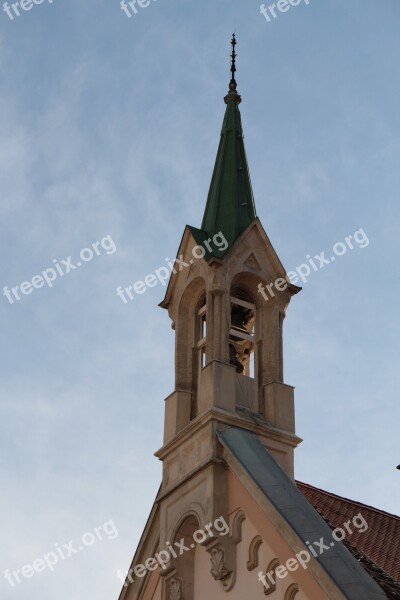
(187, 349)
(182, 565)
(193, 514)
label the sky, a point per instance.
(109, 131)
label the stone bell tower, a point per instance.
(228, 356)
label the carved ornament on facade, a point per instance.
(175, 589)
(218, 569)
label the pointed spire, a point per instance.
(230, 205)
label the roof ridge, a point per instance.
(378, 510)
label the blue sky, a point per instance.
(109, 126)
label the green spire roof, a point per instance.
(230, 203)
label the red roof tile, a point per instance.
(380, 542)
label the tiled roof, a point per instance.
(387, 583)
(377, 548)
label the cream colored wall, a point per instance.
(248, 582)
(273, 546)
(247, 586)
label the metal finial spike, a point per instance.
(233, 59)
(232, 94)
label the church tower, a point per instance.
(228, 352)
(228, 514)
(227, 310)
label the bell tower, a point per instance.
(228, 352)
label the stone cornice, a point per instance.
(222, 417)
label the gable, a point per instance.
(270, 486)
(251, 253)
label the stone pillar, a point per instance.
(270, 343)
(210, 327)
(217, 342)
